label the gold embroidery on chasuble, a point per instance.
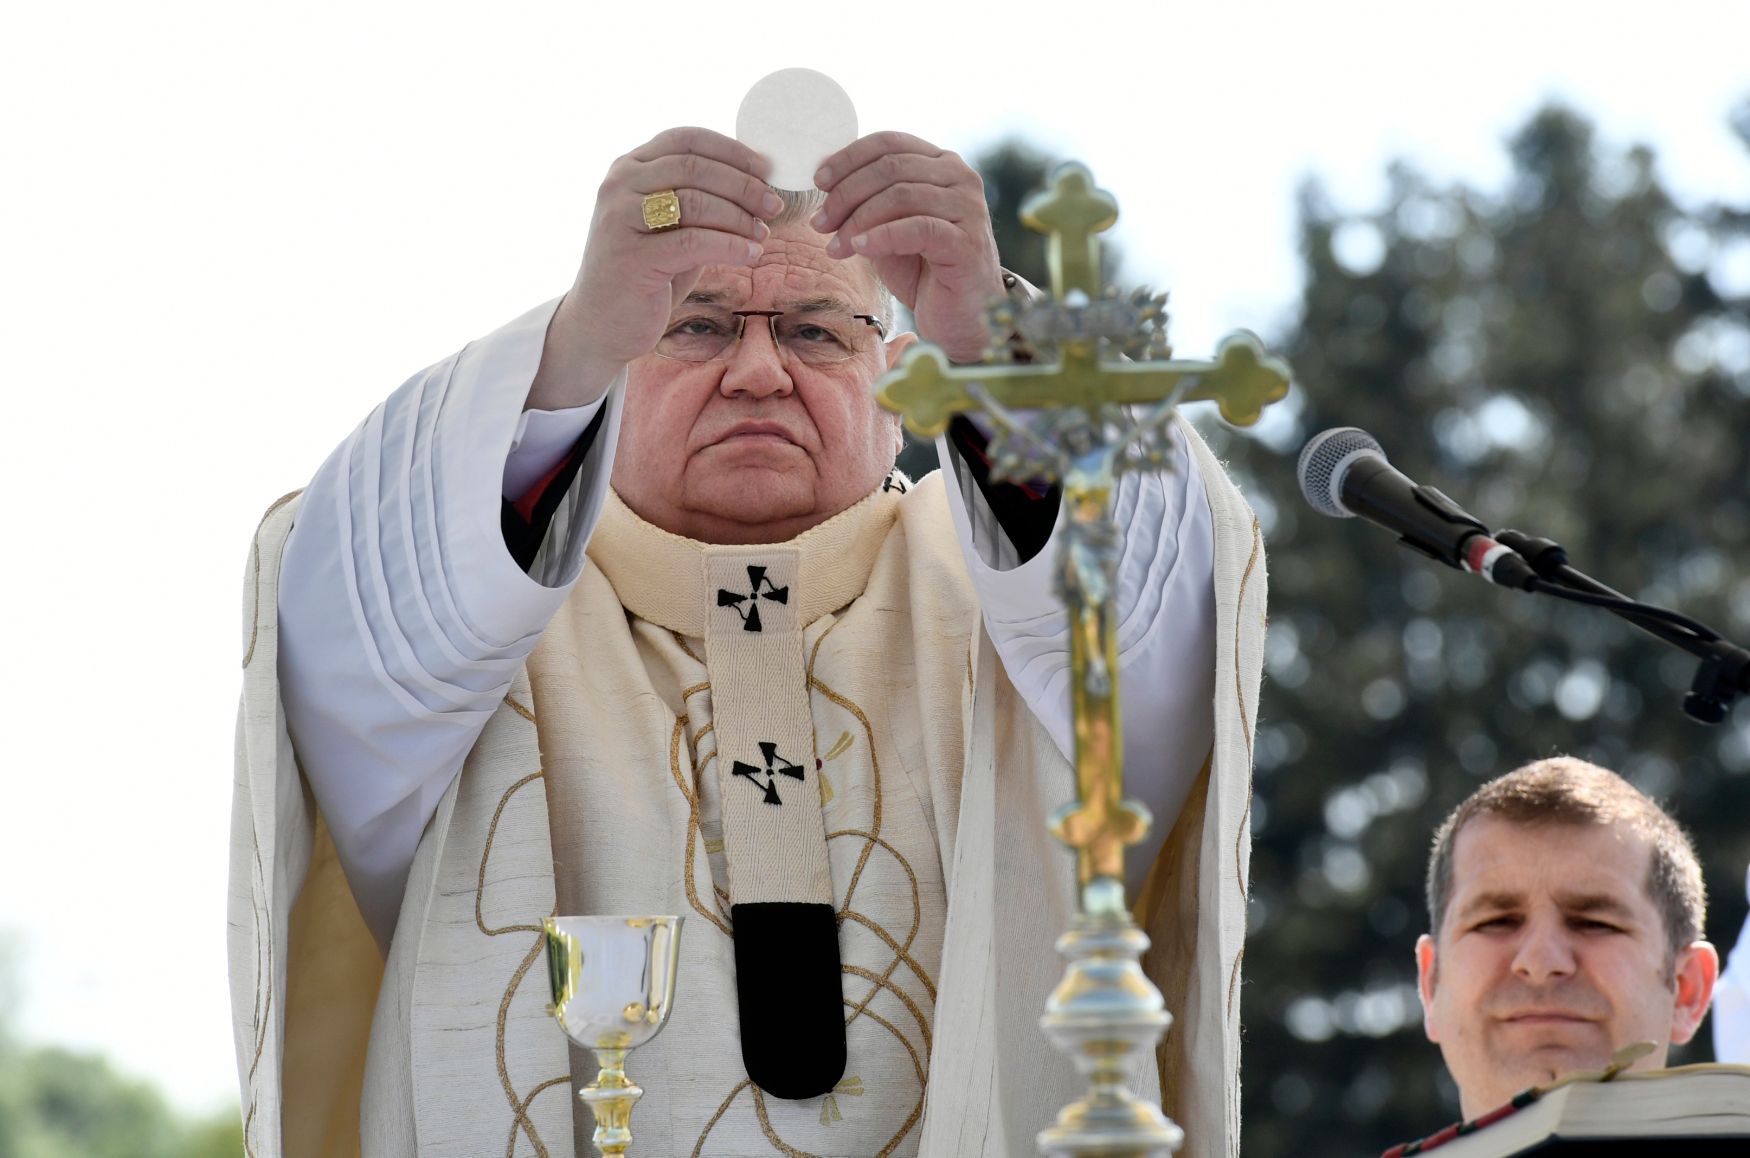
(637, 805)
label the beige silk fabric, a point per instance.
(935, 782)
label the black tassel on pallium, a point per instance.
(792, 1006)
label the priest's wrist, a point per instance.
(569, 375)
(1020, 292)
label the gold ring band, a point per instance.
(662, 210)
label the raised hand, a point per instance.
(918, 214)
(632, 277)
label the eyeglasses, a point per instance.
(813, 338)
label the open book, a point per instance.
(1600, 1113)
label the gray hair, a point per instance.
(799, 206)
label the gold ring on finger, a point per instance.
(662, 210)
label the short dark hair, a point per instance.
(1564, 790)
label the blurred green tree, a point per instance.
(218, 1136)
(55, 1103)
(1557, 356)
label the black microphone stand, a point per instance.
(1724, 671)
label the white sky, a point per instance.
(228, 229)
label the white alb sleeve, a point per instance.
(403, 617)
(1732, 999)
(1166, 629)
(542, 441)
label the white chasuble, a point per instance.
(608, 783)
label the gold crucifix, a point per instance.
(1089, 377)
(1082, 434)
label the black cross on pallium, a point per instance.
(748, 606)
(776, 766)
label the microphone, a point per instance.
(1344, 473)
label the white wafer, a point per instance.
(796, 118)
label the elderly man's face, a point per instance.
(751, 446)
(1550, 957)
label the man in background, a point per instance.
(1566, 911)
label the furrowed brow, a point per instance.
(817, 306)
(704, 298)
(1595, 903)
(1489, 903)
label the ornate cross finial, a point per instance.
(1087, 329)
(1071, 213)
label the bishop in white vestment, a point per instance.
(461, 715)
